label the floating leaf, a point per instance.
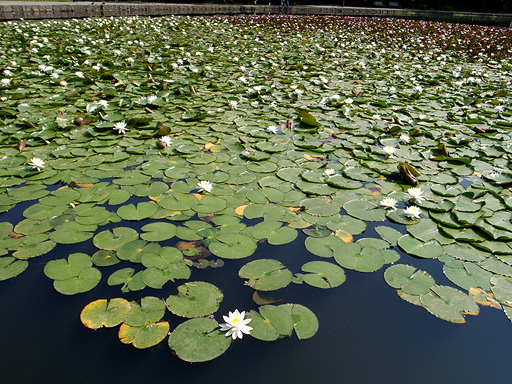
(129, 280)
(145, 336)
(322, 274)
(415, 247)
(198, 340)
(233, 246)
(270, 323)
(10, 267)
(448, 304)
(410, 280)
(103, 313)
(305, 322)
(114, 240)
(195, 299)
(265, 275)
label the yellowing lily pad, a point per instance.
(103, 313)
(145, 336)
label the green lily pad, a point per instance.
(322, 274)
(61, 269)
(501, 287)
(364, 210)
(265, 275)
(233, 246)
(129, 280)
(72, 233)
(195, 299)
(133, 250)
(104, 258)
(10, 267)
(141, 211)
(274, 232)
(103, 313)
(323, 246)
(198, 340)
(159, 231)
(448, 303)
(427, 250)
(114, 240)
(150, 310)
(271, 323)
(305, 322)
(410, 280)
(86, 280)
(361, 259)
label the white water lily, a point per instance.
(166, 140)
(120, 127)
(233, 104)
(329, 172)
(236, 325)
(412, 212)
(388, 150)
(388, 203)
(204, 186)
(415, 194)
(272, 129)
(405, 138)
(36, 163)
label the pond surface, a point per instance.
(334, 146)
(367, 334)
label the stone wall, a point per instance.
(35, 10)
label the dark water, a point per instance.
(367, 335)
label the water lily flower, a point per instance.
(36, 163)
(329, 172)
(415, 194)
(103, 103)
(204, 186)
(233, 104)
(120, 127)
(236, 325)
(272, 129)
(166, 140)
(388, 203)
(405, 138)
(388, 150)
(412, 212)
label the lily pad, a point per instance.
(114, 240)
(195, 299)
(198, 340)
(305, 322)
(145, 336)
(233, 246)
(103, 313)
(266, 275)
(410, 280)
(271, 323)
(274, 232)
(448, 303)
(322, 274)
(415, 247)
(10, 267)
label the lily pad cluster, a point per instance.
(140, 161)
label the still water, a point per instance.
(367, 333)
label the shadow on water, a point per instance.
(367, 335)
